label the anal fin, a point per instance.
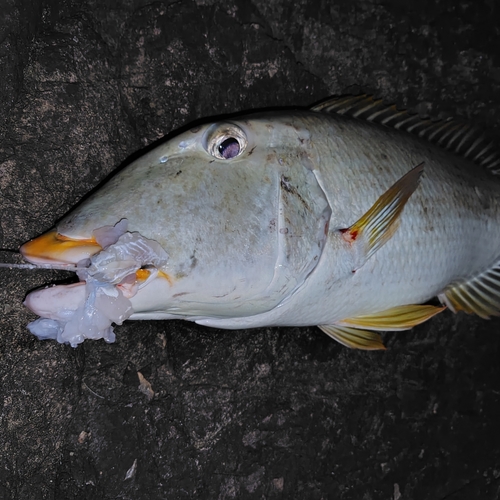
(394, 319)
(353, 337)
(357, 333)
(479, 295)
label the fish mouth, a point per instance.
(59, 302)
(114, 267)
(55, 248)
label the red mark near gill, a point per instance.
(349, 235)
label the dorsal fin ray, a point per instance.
(451, 134)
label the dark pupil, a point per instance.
(229, 148)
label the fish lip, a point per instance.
(55, 248)
(58, 302)
(45, 302)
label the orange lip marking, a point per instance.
(54, 247)
(143, 275)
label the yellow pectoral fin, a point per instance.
(378, 225)
(396, 318)
(354, 338)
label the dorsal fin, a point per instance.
(451, 134)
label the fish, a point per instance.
(352, 215)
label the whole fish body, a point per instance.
(310, 217)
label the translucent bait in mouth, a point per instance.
(108, 280)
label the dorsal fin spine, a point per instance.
(482, 152)
(452, 135)
(385, 121)
(437, 130)
(476, 143)
(465, 138)
(456, 137)
(374, 115)
(492, 166)
(453, 128)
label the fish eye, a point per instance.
(229, 148)
(225, 141)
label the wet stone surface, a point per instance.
(173, 410)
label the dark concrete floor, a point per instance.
(270, 413)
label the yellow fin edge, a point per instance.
(356, 333)
(395, 319)
(354, 338)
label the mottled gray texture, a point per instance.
(274, 413)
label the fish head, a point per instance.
(235, 204)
